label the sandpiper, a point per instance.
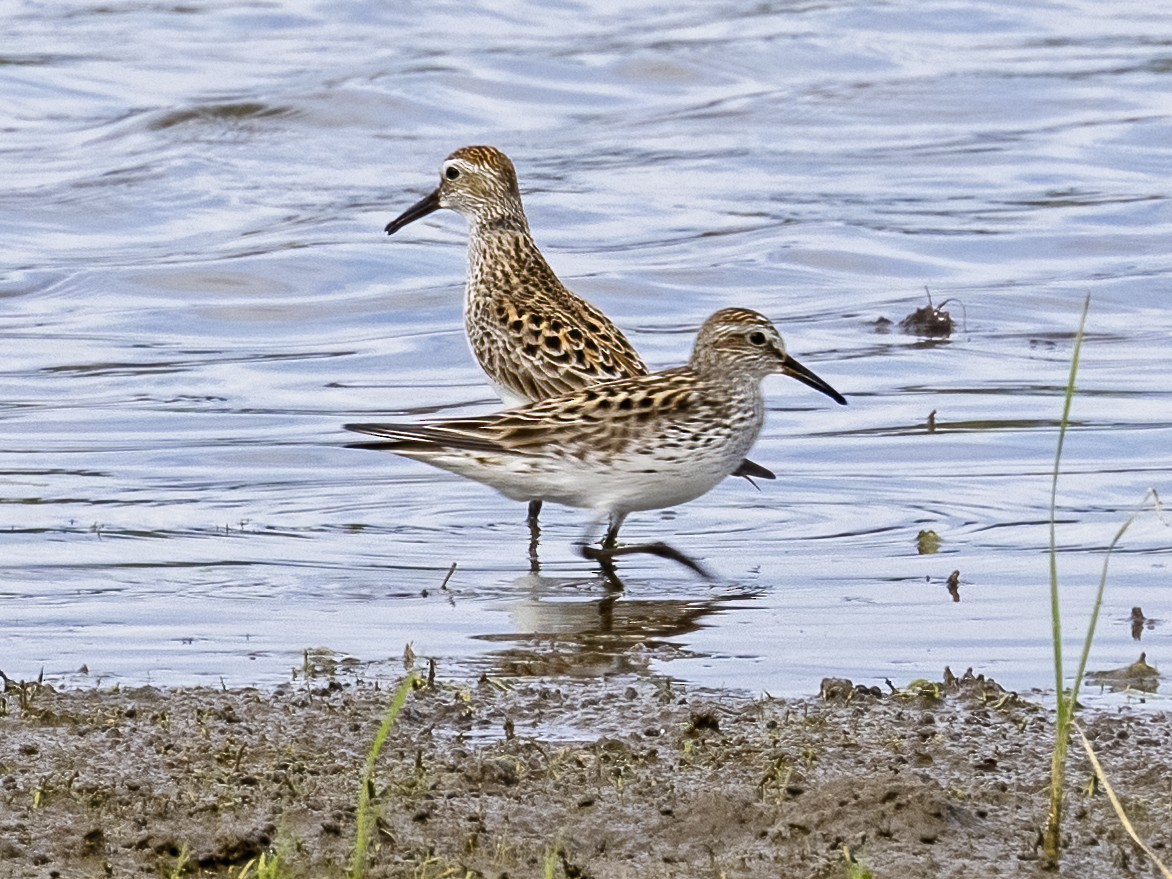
(637, 443)
(533, 337)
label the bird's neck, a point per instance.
(729, 381)
(503, 220)
(503, 259)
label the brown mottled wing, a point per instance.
(605, 419)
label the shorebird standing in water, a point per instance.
(533, 337)
(638, 443)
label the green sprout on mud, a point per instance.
(1068, 700)
(1065, 707)
(551, 862)
(366, 817)
(854, 870)
(181, 861)
(266, 866)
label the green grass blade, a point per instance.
(1068, 702)
(365, 817)
(1055, 609)
(1065, 706)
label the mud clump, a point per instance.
(608, 778)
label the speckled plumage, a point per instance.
(636, 443)
(532, 336)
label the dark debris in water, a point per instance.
(927, 542)
(954, 585)
(1137, 676)
(930, 321)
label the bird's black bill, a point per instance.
(421, 208)
(807, 377)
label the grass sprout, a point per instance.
(366, 817)
(1067, 700)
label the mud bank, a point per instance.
(611, 778)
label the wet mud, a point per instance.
(626, 776)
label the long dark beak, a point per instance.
(421, 208)
(792, 368)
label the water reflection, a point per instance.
(226, 115)
(1139, 623)
(582, 626)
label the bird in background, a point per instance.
(532, 336)
(638, 443)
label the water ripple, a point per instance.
(198, 294)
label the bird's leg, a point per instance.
(534, 542)
(611, 540)
(610, 549)
(606, 567)
(661, 549)
(606, 610)
(534, 535)
(589, 551)
(605, 557)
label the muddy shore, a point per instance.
(626, 776)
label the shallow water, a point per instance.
(197, 293)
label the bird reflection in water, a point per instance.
(562, 626)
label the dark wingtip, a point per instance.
(372, 429)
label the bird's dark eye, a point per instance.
(452, 173)
(757, 338)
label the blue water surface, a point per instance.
(195, 294)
